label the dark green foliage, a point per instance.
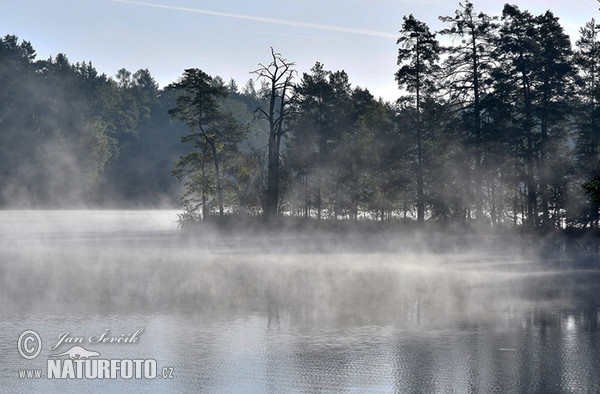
(534, 80)
(418, 58)
(467, 79)
(215, 136)
(592, 188)
(500, 129)
(70, 136)
(54, 142)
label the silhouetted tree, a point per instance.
(324, 114)
(535, 75)
(213, 130)
(467, 69)
(278, 76)
(555, 80)
(501, 131)
(418, 56)
(588, 117)
(519, 56)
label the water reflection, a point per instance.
(240, 317)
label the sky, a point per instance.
(230, 38)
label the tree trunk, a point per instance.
(528, 126)
(306, 202)
(272, 194)
(543, 178)
(420, 193)
(477, 115)
(204, 207)
(531, 194)
(492, 196)
(218, 177)
(319, 202)
(516, 197)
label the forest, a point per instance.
(496, 125)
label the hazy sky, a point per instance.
(229, 37)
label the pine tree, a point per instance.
(417, 57)
(467, 70)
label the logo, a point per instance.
(29, 344)
(77, 352)
(80, 363)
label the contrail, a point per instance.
(285, 22)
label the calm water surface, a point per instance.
(235, 315)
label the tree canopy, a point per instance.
(499, 128)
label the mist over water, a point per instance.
(300, 312)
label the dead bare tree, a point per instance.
(278, 76)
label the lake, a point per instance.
(293, 313)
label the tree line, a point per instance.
(496, 124)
